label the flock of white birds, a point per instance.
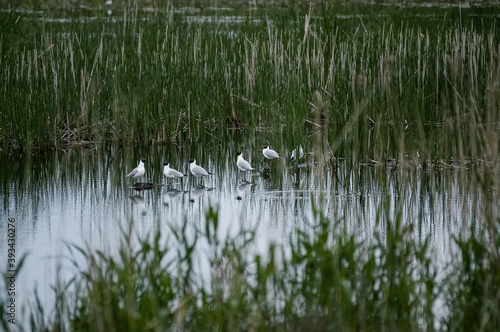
(199, 171)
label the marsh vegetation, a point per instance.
(410, 92)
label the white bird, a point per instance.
(139, 170)
(294, 153)
(171, 173)
(196, 170)
(269, 153)
(242, 164)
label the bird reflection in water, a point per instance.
(243, 189)
(197, 191)
(171, 195)
(140, 203)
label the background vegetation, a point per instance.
(376, 82)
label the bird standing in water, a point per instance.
(171, 173)
(196, 170)
(242, 164)
(138, 171)
(269, 153)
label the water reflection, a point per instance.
(198, 191)
(140, 203)
(244, 188)
(83, 197)
(141, 186)
(171, 195)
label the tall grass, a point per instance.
(382, 87)
(474, 297)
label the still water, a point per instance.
(82, 196)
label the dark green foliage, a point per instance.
(376, 87)
(328, 280)
(474, 299)
(342, 283)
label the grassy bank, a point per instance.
(375, 84)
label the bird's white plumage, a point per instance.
(269, 153)
(170, 172)
(242, 164)
(294, 153)
(139, 170)
(196, 170)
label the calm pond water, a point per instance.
(82, 196)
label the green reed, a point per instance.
(328, 279)
(380, 87)
(473, 297)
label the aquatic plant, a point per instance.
(382, 88)
(327, 280)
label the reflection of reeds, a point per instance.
(328, 280)
(389, 88)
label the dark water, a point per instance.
(82, 196)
